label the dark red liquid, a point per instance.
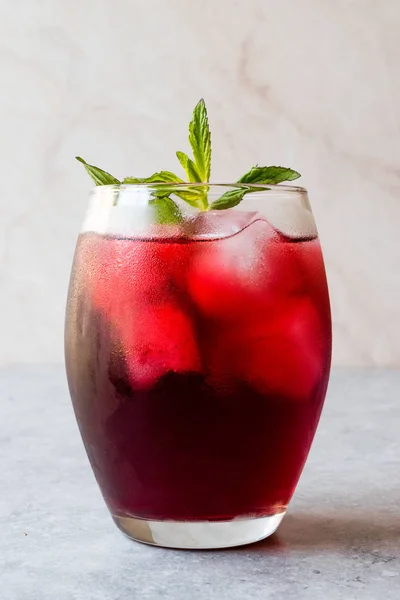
(198, 369)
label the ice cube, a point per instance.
(281, 354)
(129, 273)
(251, 271)
(216, 224)
(136, 286)
(156, 340)
(286, 213)
(285, 355)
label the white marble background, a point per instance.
(315, 84)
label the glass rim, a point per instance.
(182, 185)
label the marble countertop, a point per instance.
(340, 539)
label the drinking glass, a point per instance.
(198, 349)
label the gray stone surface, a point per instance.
(340, 539)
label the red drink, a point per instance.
(198, 369)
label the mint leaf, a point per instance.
(197, 171)
(99, 176)
(166, 211)
(189, 167)
(256, 175)
(200, 141)
(160, 177)
(196, 197)
(269, 175)
(229, 199)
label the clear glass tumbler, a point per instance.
(198, 353)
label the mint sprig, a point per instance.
(229, 199)
(256, 175)
(271, 175)
(160, 177)
(197, 170)
(166, 211)
(200, 141)
(99, 176)
(189, 167)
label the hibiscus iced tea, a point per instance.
(198, 367)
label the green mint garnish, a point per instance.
(200, 141)
(189, 167)
(256, 175)
(197, 170)
(229, 199)
(166, 211)
(161, 177)
(99, 176)
(271, 175)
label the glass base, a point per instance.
(199, 535)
